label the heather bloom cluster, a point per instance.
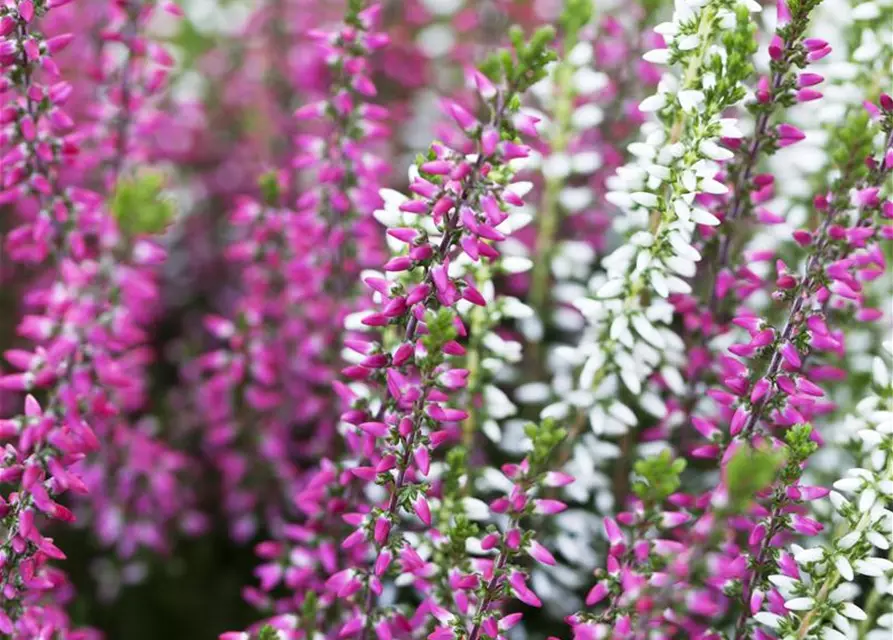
(446, 320)
(814, 594)
(289, 254)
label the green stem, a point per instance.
(550, 215)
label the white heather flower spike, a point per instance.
(627, 335)
(823, 606)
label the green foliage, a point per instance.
(525, 63)
(750, 471)
(576, 15)
(440, 330)
(799, 446)
(740, 45)
(269, 188)
(268, 633)
(140, 206)
(456, 468)
(352, 13)
(849, 146)
(546, 436)
(657, 477)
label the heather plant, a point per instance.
(446, 320)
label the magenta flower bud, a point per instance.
(354, 539)
(387, 463)
(464, 119)
(739, 419)
(558, 479)
(512, 151)
(382, 530)
(402, 354)
(422, 459)
(809, 388)
(789, 134)
(400, 263)
(489, 541)
(404, 234)
(809, 80)
(670, 519)
(549, 507)
(418, 294)
(473, 296)
(423, 188)
(422, 510)
(368, 474)
(756, 535)
(868, 197)
(453, 348)
(806, 526)
(818, 54)
(437, 167)
(421, 253)
(382, 562)
(783, 16)
(383, 630)
(375, 320)
(759, 390)
(802, 237)
(513, 539)
(704, 427)
(60, 42)
(442, 206)
(522, 591)
(776, 47)
(490, 627)
(26, 10)
(442, 633)
(487, 90)
(763, 338)
(763, 90)
(756, 601)
(808, 95)
(598, 593)
(375, 429)
(414, 206)
(526, 124)
(539, 553)
(352, 626)
(376, 361)
(612, 532)
(489, 141)
(7, 25)
(790, 354)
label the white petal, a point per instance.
(611, 289)
(702, 216)
(844, 568)
(657, 56)
(653, 103)
(853, 612)
(769, 619)
(799, 604)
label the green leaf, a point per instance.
(657, 477)
(750, 471)
(140, 206)
(269, 188)
(268, 633)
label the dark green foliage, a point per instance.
(657, 477)
(139, 204)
